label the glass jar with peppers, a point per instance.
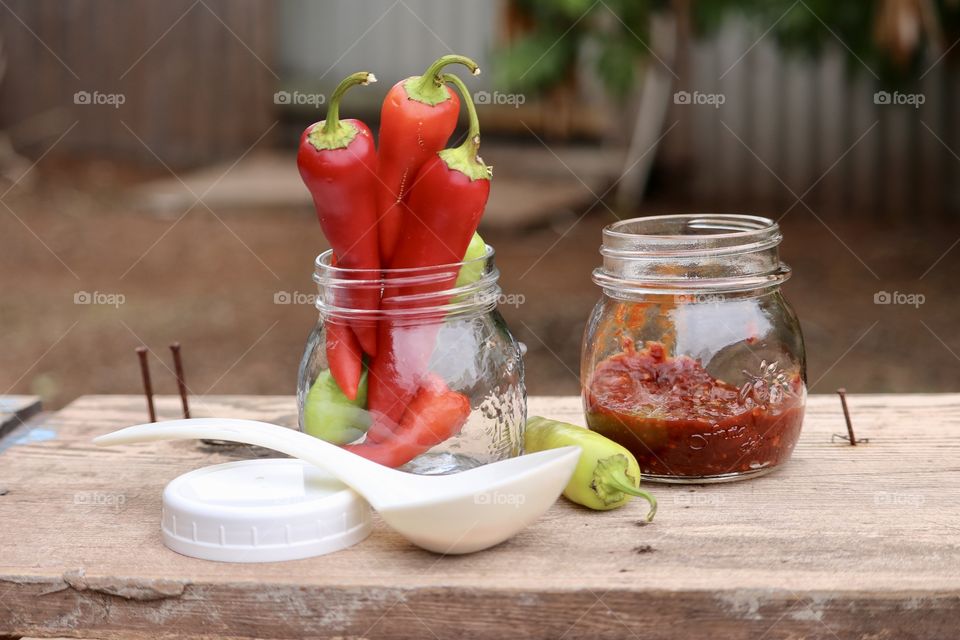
(693, 359)
(410, 365)
(445, 391)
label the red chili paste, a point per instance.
(680, 421)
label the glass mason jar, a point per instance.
(692, 359)
(436, 328)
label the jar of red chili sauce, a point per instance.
(693, 359)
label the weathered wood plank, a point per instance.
(844, 541)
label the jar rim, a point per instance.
(691, 252)
(690, 233)
(414, 292)
(741, 224)
(323, 261)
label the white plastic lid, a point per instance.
(261, 511)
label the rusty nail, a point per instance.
(181, 385)
(846, 416)
(147, 387)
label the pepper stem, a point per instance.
(333, 112)
(473, 133)
(620, 485)
(428, 88)
(466, 158)
(610, 480)
(332, 133)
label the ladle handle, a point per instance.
(371, 480)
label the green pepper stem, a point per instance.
(465, 158)
(621, 485)
(332, 124)
(472, 143)
(429, 88)
(431, 77)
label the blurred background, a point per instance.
(149, 192)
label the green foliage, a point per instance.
(614, 31)
(616, 34)
(616, 66)
(808, 27)
(537, 61)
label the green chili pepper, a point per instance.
(607, 475)
(330, 415)
(470, 273)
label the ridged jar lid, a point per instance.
(261, 511)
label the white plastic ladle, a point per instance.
(452, 514)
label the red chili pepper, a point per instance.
(337, 161)
(417, 118)
(435, 414)
(398, 368)
(344, 354)
(444, 208)
(344, 357)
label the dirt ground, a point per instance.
(209, 279)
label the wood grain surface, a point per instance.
(843, 542)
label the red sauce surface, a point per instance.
(678, 420)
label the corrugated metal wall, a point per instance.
(815, 125)
(789, 124)
(324, 41)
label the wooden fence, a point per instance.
(195, 78)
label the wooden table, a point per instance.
(844, 542)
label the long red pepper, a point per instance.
(337, 161)
(417, 118)
(344, 353)
(444, 208)
(435, 414)
(344, 357)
